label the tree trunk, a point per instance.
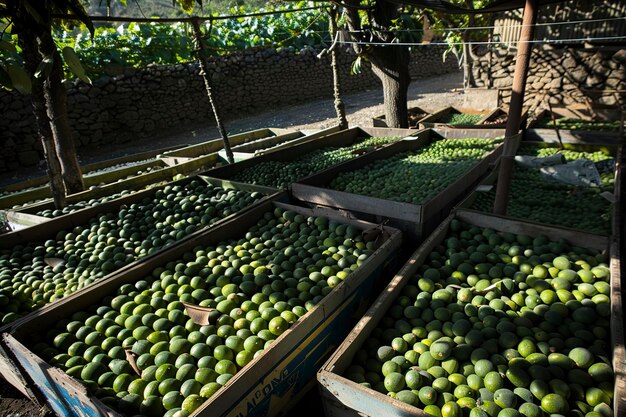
(32, 58)
(467, 66)
(56, 98)
(340, 108)
(468, 73)
(391, 65)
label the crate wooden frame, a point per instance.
(617, 151)
(342, 397)
(302, 341)
(416, 220)
(381, 121)
(342, 138)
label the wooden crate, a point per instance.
(87, 169)
(490, 181)
(269, 384)
(433, 121)
(214, 145)
(602, 113)
(338, 139)
(210, 154)
(381, 121)
(499, 113)
(342, 397)
(259, 147)
(169, 163)
(49, 227)
(42, 193)
(131, 184)
(417, 220)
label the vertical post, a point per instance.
(490, 49)
(556, 128)
(621, 113)
(522, 63)
(204, 72)
(340, 108)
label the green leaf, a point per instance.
(5, 80)
(356, 66)
(10, 28)
(7, 46)
(19, 78)
(73, 63)
(186, 5)
(77, 9)
(44, 68)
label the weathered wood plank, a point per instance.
(34, 182)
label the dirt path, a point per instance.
(430, 93)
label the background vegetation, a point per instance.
(165, 8)
(136, 45)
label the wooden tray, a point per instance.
(342, 397)
(269, 384)
(417, 220)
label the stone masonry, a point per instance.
(142, 102)
(558, 75)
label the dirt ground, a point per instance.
(14, 404)
(429, 93)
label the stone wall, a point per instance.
(560, 76)
(144, 102)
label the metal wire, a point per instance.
(508, 26)
(545, 41)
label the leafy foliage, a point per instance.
(20, 17)
(132, 45)
(137, 45)
(163, 8)
(10, 70)
(286, 29)
(455, 38)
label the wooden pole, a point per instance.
(340, 107)
(490, 49)
(524, 49)
(204, 72)
(556, 128)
